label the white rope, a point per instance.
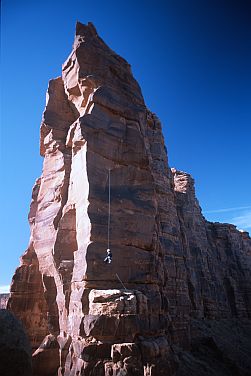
(109, 209)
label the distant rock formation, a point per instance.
(15, 351)
(175, 265)
(4, 300)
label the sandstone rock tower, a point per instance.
(174, 264)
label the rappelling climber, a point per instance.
(108, 258)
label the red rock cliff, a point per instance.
(175, 265)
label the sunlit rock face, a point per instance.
(4, 300)
(173, 264)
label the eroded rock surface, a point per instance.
(174, 264)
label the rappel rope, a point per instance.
(109, 209)
(121, 281)
(109, 222)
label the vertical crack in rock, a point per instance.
(176, 266)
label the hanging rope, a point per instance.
(108, 258)
(121, 282)
(109, 209)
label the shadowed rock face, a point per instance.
(174, 264)
(15, 352)
(219, 348)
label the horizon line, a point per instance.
(227, 209)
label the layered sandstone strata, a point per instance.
(174, 264)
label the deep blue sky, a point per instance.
(193, 62)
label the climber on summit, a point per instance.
(108, 258)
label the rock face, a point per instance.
(174, 264)
(4, 300)
(218, 348)
(15, 351)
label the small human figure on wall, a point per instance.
(108, 258)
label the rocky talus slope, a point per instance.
(176, 266)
